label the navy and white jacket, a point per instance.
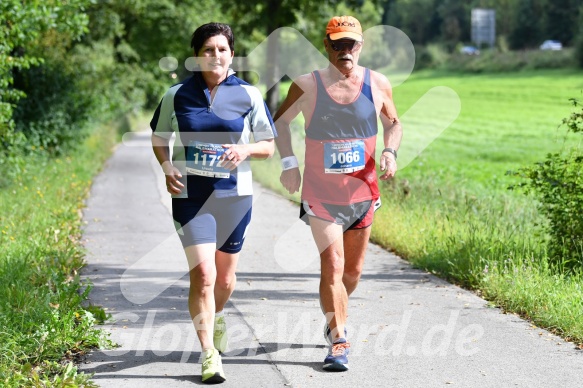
(202, 126)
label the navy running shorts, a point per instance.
(222, 221)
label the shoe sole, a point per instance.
(336, 367)
(216, 379)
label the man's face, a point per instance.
(343, 53)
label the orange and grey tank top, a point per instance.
(340, 148)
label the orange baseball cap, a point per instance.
(344, 27)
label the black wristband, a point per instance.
(392, 151)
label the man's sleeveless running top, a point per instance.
(340, 148)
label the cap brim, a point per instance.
(346, 35)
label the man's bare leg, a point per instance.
(355, 245)
(333, 296)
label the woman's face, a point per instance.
(215, 56)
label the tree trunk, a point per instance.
(272, 96)
(272, 76)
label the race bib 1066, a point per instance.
(344, 157)
(203, 159)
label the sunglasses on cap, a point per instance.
(344, 44)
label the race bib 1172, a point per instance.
(203, 159)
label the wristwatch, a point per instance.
(392, 151)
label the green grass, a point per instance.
(506, 121)
(532, 288)
(44, 325)
(449, 210)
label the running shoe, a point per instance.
(336, 360)
(328, 333)
(220, 339)
(212, 367)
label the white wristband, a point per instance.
(289, 162)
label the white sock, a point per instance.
(219, 314)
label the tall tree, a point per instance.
(419, 19)
(455, 16)
(263, 17)
(560, 20)
(21, 25)
(526, 32)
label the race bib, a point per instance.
(344, 157)
(203, 159)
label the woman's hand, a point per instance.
(173, 176)
(234, 155)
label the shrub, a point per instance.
(53, 113)
(557, 183)
(498, 61)
(579, 49)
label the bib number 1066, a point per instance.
(345, 157)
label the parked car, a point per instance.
(470, 50)
(551, 45)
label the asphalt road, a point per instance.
(407, 328)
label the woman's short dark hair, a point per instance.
(206, 31)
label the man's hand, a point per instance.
(388, 165)
(291, 179)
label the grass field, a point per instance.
(44, 319)
(506, 121)
(457, 217)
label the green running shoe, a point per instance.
(212, 367)
(220, 339)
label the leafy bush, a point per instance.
(22, 24)
(54, 111)
(558, 184)
(431, 56)
(579, 47)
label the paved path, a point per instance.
(407, 328)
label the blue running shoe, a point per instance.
(336, 360)
(328, 333)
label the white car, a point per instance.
(551, 45)
(470, 50)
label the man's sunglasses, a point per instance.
(345, 44)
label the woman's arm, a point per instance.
(236, 153)
(161, 149)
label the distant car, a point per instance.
(551, 45)
(470, 50)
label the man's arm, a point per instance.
(290, 177)
(392, 129)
